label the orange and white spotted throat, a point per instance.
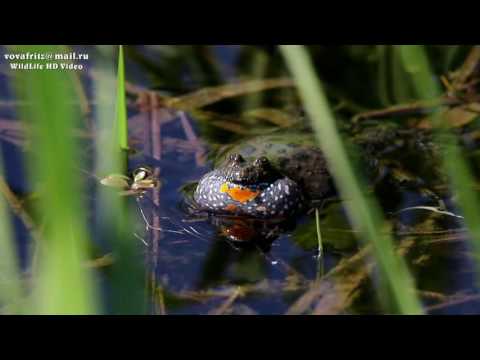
(253, 189)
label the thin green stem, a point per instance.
(416, 63)
(122, 119)
(363, 212)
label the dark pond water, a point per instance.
(193, 268)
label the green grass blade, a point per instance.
(122, 120)
(63, 285)
(126, 278)
(364, 213)
(417, 65)
(382, 76)
(10, 282)
(320, 260)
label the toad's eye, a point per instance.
(237, 158)
(261, 162)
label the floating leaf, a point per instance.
(460, 116)
(456, 117)
(116, 180)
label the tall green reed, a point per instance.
(363, 212)
(10, 280)
(122, 120)
(416, 64)
(63, 285)
(127, 281)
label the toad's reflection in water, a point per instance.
(246, 233)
